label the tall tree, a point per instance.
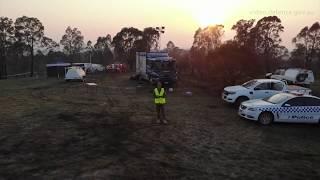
(72, 41)
(148, 42)
(89, 49)
(175, 51)
(89, 46)
(103, 49)
(205, 41)
(30, 31)
(266, 35)
(124, 42)
(309, 40)
(208, 39)
(103, 43)
(232, 62)
(151, 38)
(171, 48)
(48, 44)
(297, 58)
(6, 39)
(243, 29)
(131, 40)
(170, 45)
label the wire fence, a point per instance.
(21, 75)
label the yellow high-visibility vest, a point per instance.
(159, 99)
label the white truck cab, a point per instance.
(258, 89)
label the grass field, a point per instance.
(50, 129)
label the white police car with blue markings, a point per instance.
(283, 107)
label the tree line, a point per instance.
(24, 40)
(255, 48)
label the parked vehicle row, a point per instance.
(258, 89)
(119, 68)
(271, 100)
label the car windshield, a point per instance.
(277, 99)
(249, 84)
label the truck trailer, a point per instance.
(156, 66)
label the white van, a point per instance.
(296, 76)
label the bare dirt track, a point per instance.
(50, 129)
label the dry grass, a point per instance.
(56, 130)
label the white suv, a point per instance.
(258, 89)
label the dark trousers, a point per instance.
(160, 111)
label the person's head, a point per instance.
(159, 84)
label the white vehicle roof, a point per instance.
(285, 97)
(311, 96)
(299, 69)
(58, 64)
(293, 95)
(266, 80)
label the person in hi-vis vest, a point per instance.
(160, 101)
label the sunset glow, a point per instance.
(211, 12)
(180, 17)
(159, 89)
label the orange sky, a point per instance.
(181, 17)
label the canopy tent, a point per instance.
(57, 69)
(74, 73)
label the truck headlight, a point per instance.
(252, 109)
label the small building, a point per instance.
(57, 70)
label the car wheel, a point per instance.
(240, 100)
(266, 118)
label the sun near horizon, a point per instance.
(212, 12)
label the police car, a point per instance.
(283, 107)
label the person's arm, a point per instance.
(154, 94)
